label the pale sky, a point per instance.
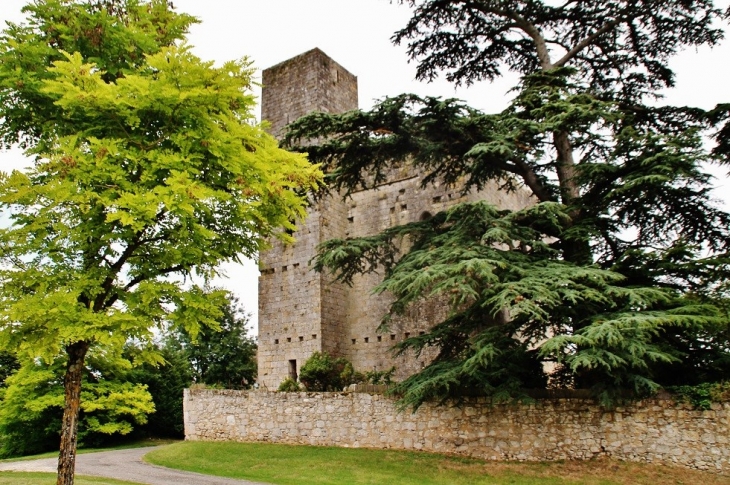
(356, 34)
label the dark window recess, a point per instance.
(301, 338)
(392, 336)
(295, 265)
(380, 338)
(407, 334)
(404, 207)
(288, 339)
(351, 219)
(437, 199)
(402, 191)
(354, 340)
(276, 341)
(283, 268)
(367, 339)
(314, 336)
(293, 369)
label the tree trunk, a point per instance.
(72, 401)
(576, 250)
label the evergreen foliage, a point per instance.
(617, 275)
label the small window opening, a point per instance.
(314, 336)
(353, 341)
(351, 219)
(367, 339)
(380, 338)
(288, 339)
(301, 338)
(276, 341)
(293, 369)
(283, 268)
(404, 207)
(437, 199)
(407, 334)
(392, 336)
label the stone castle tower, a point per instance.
(301, 311)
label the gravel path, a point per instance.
(124, 465)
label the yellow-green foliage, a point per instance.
(32, 404)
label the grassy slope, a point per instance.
(307, 465)
(17, 478)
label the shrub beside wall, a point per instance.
(553, 429)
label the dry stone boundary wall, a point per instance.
(656, 430)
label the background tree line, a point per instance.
(120, 401)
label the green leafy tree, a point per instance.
(8, 365)
(32, 405)
(165, 382)
(149, 172)
(223, 356)
(617, 276)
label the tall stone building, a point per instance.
(301, 311)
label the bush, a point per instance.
(322, 372)
(289, 385)
(380, 377)
(702, 395)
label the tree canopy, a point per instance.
(149, 172)
(617, 276)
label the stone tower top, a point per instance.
(311, 81)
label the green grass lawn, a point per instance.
(18, 478)
(308, 465)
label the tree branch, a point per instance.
(540, 44)
(586, 42)
(533, 181)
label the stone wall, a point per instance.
(300, 311)
(650, 431)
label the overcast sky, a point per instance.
(356, 34)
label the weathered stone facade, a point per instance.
(301, 311)
(647, 431)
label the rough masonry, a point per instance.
(647, 431)
(301, 311)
